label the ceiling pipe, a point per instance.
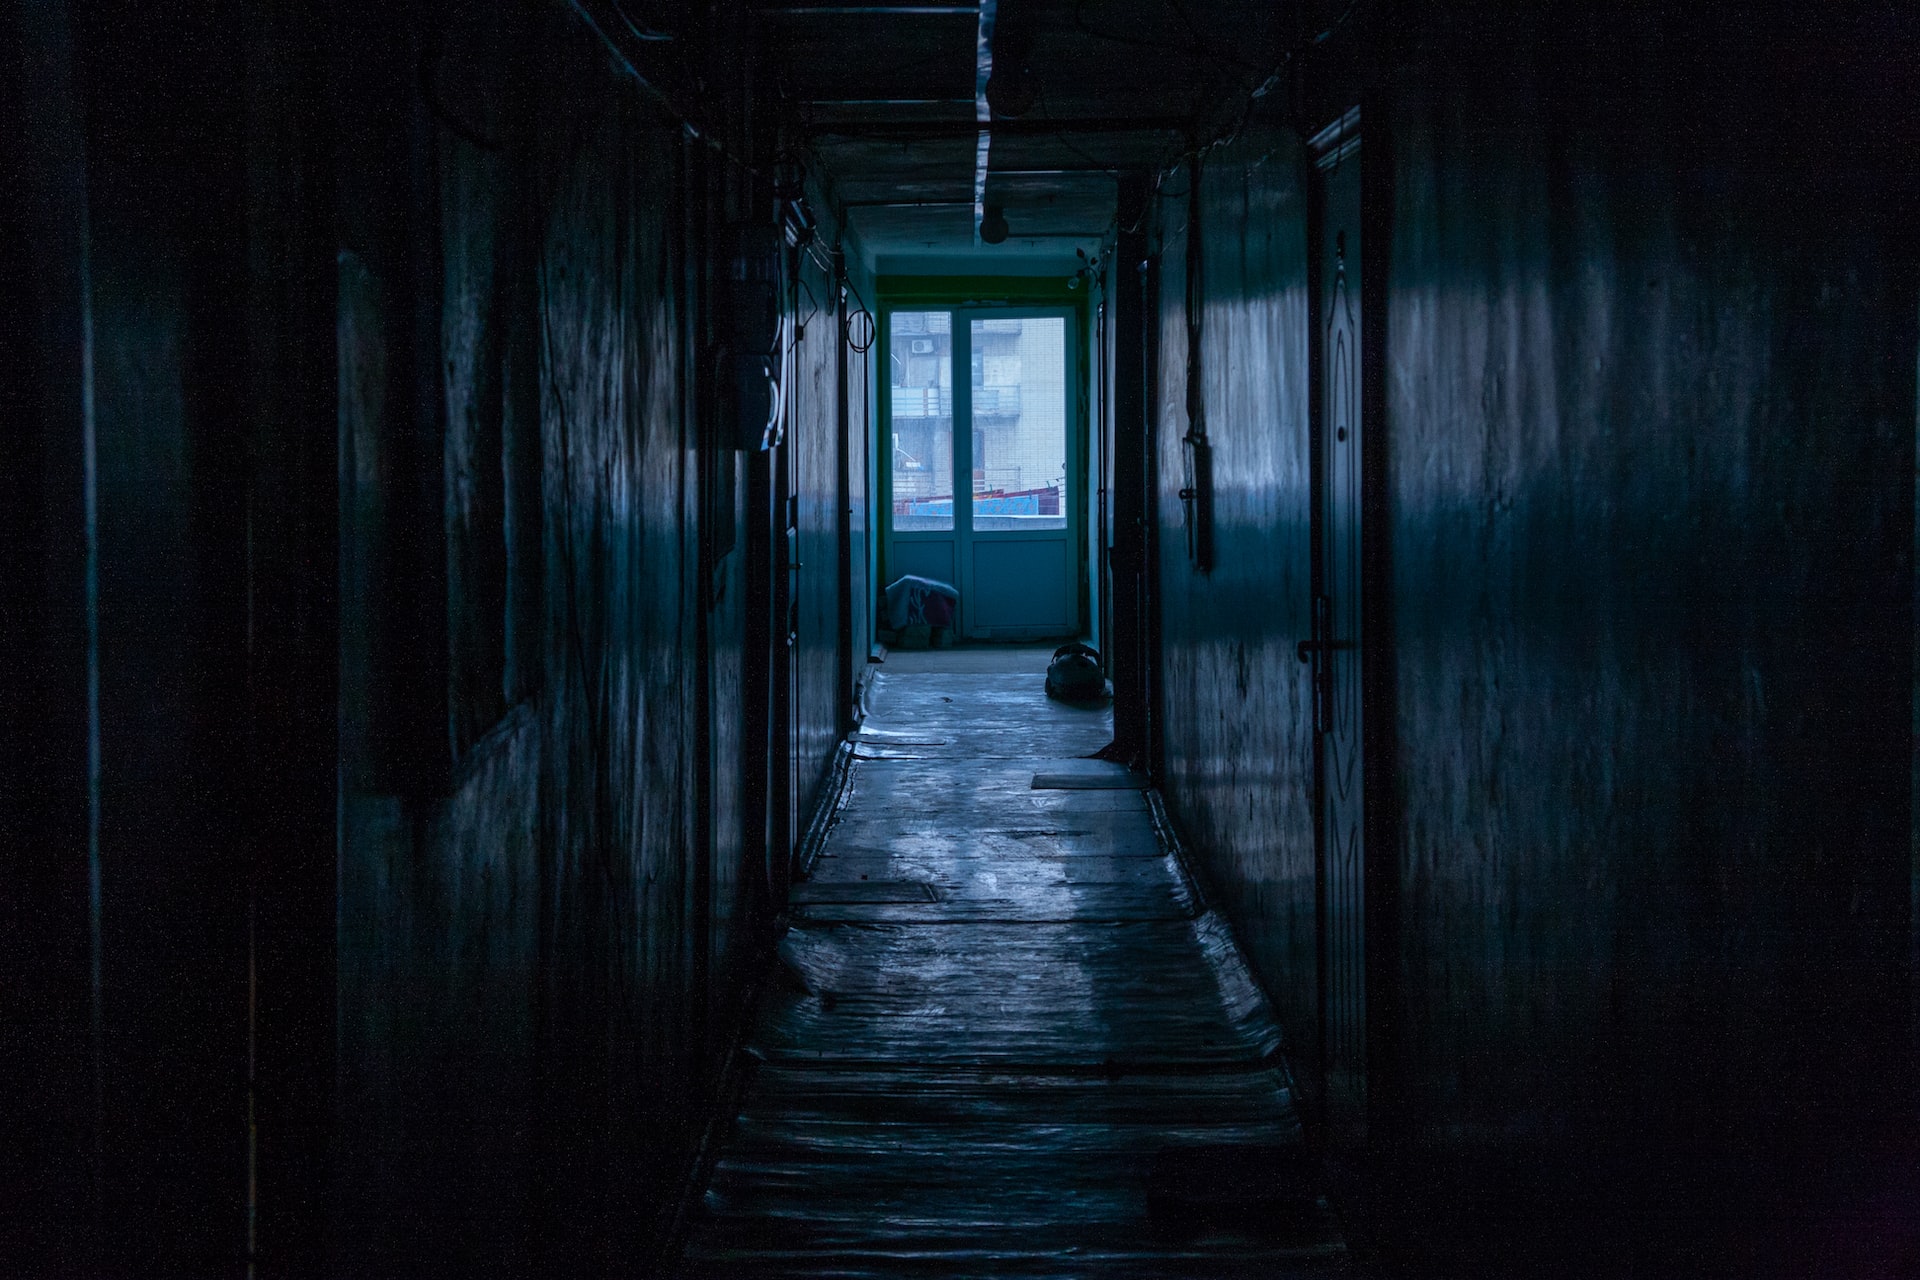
(982, 113)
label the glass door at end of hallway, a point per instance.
(1010, 547)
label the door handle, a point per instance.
(1308, 650)
(1321, 622)
(1314, 652)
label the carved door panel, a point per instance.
(1336, 646)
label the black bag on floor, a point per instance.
(1074, 674)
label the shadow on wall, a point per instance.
(1648, 331)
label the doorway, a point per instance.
(1340, 452)
(983, 472)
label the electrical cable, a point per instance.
(645, 35)
(812, 250)
(1287, 64)
(1281, 76)
(691, 127)
(808, 289)
(854, 344)
(873, 325)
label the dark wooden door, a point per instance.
(1338, 573)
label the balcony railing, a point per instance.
(937, 402)
(996, 402)
(923, 402)
(986, 502)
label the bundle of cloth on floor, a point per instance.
(912, 600)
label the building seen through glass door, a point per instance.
(1010, 429)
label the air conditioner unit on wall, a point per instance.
(923, 346)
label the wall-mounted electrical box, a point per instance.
(748, 366)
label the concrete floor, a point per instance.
(1008, 1038)
(979, 659)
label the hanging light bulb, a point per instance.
(993, 225)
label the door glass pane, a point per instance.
(1020, 423)
(920, 360)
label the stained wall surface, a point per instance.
(125, 361)
(537, 966)
(400, 875)
(819, 718)
(1236, 704)
(1646, 507)
(1649, 344)
(537, 909)
(862, 588)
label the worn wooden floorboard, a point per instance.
(1007, 1039)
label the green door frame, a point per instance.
(962, 296)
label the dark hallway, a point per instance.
(535, 540)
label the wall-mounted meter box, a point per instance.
(748, 300)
